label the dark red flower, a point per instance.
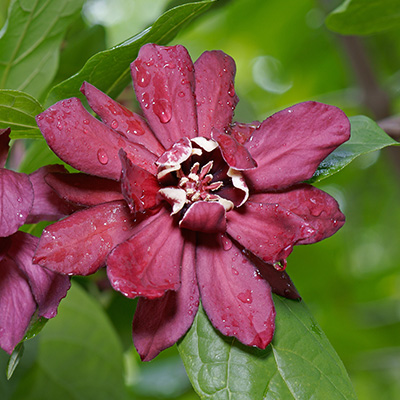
(184, 204)
(24, 287)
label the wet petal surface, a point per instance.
(215, 93)
(149, 263)
(79, 244)
(139, 187)
(16, 200)
(314, 206)
(163, 79)
(236, 299)
(289, 145)
(204, 216)
(85, 143)
(122, 120)
(48, 287)
(47, 205)
(83, 189)
(17, 304)
(267, 230)
(160, 323)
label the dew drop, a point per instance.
(226, 243)
(59, 125)
(114, 124)
(143, 77)
(102, 156)
(40, 117)
(135, 128)
(181, 94)
(49, 119)
(86, 121)
(231, 90)
(190, 312)
(245, 297)
(235, 271)
(162, 108)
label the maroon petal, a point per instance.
(4, 145)
(235, 154)
(139, 187)
(314, 206)
(79, 244)
(204, 216)
(278, 279)
(160, 323)
(83, 189)
(48, 287)
(215, 94)
(289, 145)
(17, 305)
(163, 79)
(87, 144)
(236, 299)
(242, 132)
(267, 230)
(15, 202)
(47, 205)
(149, 263)
(119, 118)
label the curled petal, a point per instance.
(139, 187)
(47, 205)
(163, 79)
(177, 154)
(79, 244)
(4, 147)
(289, 145)
(278, 279)
(313, 205)
(119, 118)
(83, 189)
(17, 304)
(215, 93)
(235, 154)
(205, 216)
(149, 263)
(16, 199)
(267, 230)
(236, 299)
(160, 323)
(48, 287)
(87, 144)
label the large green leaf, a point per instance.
(363, 17)
(17, 111)
(366, 136)
(79, 355)
(30, 41)
(109, 70)
(300, 363)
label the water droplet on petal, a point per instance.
(59, 125)
(245, 297)
(181, 94)
(226, 243)
(114, 124)
(231, 90)
(86, 121)
(102, 156)
(143, 76)
(162, 108)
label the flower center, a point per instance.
(194, 171)
(198, 183)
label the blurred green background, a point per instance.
(351, 282)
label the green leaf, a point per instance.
(361, 17)
(366, 136)
(79, 355)
(110, 70)
(30, 41)
(300, 363)
(17, 111)
(15, 357)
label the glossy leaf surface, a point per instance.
(366, 136)
(299, 364)
(17, 111)
(109, 70)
